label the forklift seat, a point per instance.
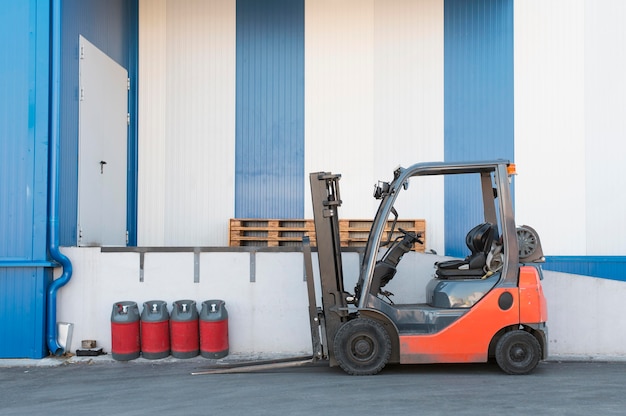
(479, 240)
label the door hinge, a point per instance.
(128, 119)
(81, 94)
(126, 237)
(81, 53)
(128, 84)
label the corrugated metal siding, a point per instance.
(339, 95)
(17, 142)
(550, 126)
(607, 267)
(270, 109)
(151, 192)
(187, 122)
(478, 101)
(605, 128)
(374, 98)
(106, 24)
(22, 309)
(569, 110)
(24, 29)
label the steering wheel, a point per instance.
(412, 235)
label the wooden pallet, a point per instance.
(277, 233)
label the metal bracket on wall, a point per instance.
(196, 265)
(141, 261)
(252, 266)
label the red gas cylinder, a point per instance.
(184, 335)
(213, 329)
(125, 344)
(155, 330)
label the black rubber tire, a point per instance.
(518, 352)
(362, 347)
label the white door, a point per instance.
(102, 143)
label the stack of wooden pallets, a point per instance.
(277, 233)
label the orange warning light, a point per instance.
(510, 169)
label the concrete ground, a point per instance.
(102, 386)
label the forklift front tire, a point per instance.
(362, 347)
(518, 352)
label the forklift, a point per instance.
(488, 306)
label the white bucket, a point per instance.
(64, 335)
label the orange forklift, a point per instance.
(488, 305)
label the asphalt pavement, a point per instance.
(144, 387)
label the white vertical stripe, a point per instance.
(187, 121)
(339, 97)
(549, 122)
(151, 190)
(605, 126)
(569, 123)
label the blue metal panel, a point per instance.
(24, 55)
(22, 305)
(133, 133)
(478, 101)
(111, 25)
(607, 267)
(269, 181)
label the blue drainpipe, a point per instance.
(53, 184)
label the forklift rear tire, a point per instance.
(518, 352)
(362, 347)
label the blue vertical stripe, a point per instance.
(269, 178)
(133, 130)
(24, 82)
(478, 102)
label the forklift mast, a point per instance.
(326, 202)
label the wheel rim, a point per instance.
(519, 354)
(363, 348)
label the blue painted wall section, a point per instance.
(269, 177)
(607, 267)
(478, 102)
(111, 25)
(24, 86)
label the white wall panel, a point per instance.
(569, 123)
(605, 126)
(339, 98)
(151, 192)
(186, 122)
(550, 141)
(374, 94)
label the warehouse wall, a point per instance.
(189, 160)
(374, 95)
